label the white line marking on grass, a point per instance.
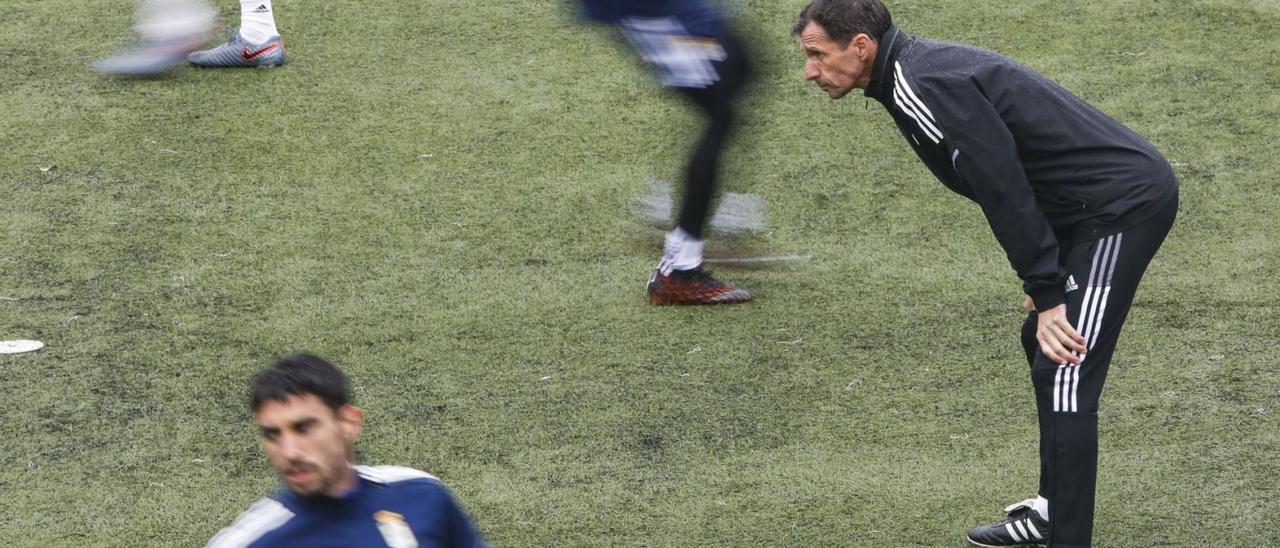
(768, 259)
(20, 346)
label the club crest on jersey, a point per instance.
(1071, 284)
(395, 530)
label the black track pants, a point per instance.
(1105, 275)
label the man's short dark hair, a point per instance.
(844, 19)
(298, 375)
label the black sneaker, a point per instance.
(1023, 527)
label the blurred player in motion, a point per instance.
(694, 50)
(308, 425)
(169, 31)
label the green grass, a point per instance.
(437, 195)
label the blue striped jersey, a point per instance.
(392, 506)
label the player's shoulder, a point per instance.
(935, 72)
(264, 517)
(945, 64)
(946, 52)
(393, 475)
(411, 487)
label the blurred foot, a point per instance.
(238, 52)
(149, 58)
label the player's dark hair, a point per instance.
(844, 19)
(297, 375)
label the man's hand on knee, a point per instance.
(1057, 338)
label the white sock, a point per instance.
(257, 21)
(1041, 506)
(681, 251)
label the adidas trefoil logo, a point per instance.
(1071, 284)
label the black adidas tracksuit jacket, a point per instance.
(1044, 165)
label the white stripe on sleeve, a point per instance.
(926, 119)
(264, 516)
(907, 108)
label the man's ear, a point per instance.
(351, 419)
(865, 46)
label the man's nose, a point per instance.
(811, 69)
(289, 449)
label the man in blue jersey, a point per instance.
(690, 44)
(308, 426)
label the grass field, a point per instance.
(437, 195)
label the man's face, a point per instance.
(309, 443)
(837, 70)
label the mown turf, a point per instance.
(438, 196)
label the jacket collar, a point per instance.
(891, 46)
